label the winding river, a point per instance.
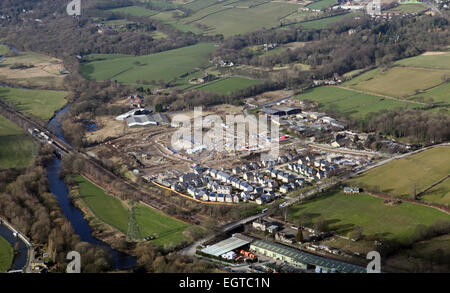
(72, 213)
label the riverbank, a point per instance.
(6, 255)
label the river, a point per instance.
(72, 213)
(20, 259)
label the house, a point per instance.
(236, 198)
(249, 176)
(223, 189)
(236, 170)
(212, 197)
(228, 198)
(220, 197)
(284, 188)
(205, 197)
(191, 190)
(260, 200)
(351, 190)
(273, 228)
(260, 225)
(283, 237)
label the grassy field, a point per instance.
(231, 18)
(409, 8)
(16, 147)
(439, 94)
(6, 255)
(167, 230)
(113, 212)
(343, 212)
(227, 85)
(350, 103)
(3, 49)
(322, 4)
(439, 194)
(40, 104)
(398, 81)
(439, 60)
(324, 22)
(135, 11)
(399, 176)
(165, 65)
(46, 71)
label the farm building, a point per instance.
(140, 120)
(351, 190)
(272, 112)
(302, 259)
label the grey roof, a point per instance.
(225, 246)
(308, 258)
(161, 118)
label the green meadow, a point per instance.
(166, 65)
(349, 102)
(438, 60)
(6, 255)
(227, 85)
(16, 146)
(322, 4)
(40, 104)
(400, 176)
(343, 212)
(112, 211)
(398, 81)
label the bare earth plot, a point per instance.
(45, 73)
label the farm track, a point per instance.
(379, 95)
(433, 185)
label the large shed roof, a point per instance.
(225, 246)
(308, 258)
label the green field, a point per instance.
(16, 147)
(112, 211)
(324, 22)
(230, 17)
(6, 255)
(350, 103)
(322, 4)
(399, 176)
(410, 8)
(3, 50)
(165, 65)
(398, 81)
(40, 104)
(135, 11)
(439, 94)
(439, 60)
(343, 212)
(227, 85)
(439, 194)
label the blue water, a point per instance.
(20, 259)
(75, 216)
(72, 213)
(55, 124)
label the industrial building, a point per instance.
(227, 245)
(303, 259)
(281, 111)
